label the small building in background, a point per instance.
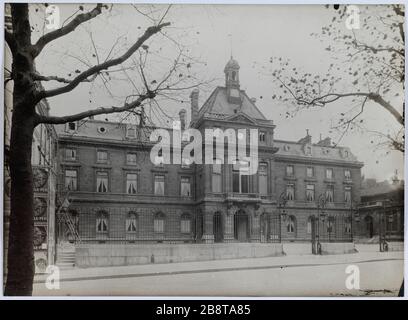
(381, 209)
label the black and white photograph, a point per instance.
(203, 150)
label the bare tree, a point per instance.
(368, 69)
(27, 93)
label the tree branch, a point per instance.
(94, 112)
(105, 65)
(39, 77)
(53, 35)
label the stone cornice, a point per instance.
(308, 160)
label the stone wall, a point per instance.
(100, 255)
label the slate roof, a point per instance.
(290, 148)
(217, 103)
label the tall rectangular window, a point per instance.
(158, 224)
(289, 171)
(131, 158)
(347, 174)
(102, 181)
(310, 192)
(131, 222)
(262, 136)
(330, 193)
(310, 172)
(263, 178)
(347, 194)
(131, 183)
(131, 132)
(70, 154)
(71, 180)
(240, 182)
(159, 185)
(329, 173)
(185, 187)
(102, 222)
(290, 192)
(102, 156)
(216, 177)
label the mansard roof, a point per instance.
(290, 149)
(218, 106)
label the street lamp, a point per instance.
(321, 204)
(351, 219)
(282, 212)
(383, 227)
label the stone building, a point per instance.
(381, 209)
(118, 195)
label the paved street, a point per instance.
(293, 275)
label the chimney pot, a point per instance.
(194, 104)
(182, 115)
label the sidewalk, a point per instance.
(77, 274)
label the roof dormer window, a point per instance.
(71, 127)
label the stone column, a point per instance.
(228, 226)
(255, 225)
(208, 235)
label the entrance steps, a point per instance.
(65, 256)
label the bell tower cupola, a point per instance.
(231, 71)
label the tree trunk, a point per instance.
(20, 258)
(20, 266)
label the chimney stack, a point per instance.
(194, 104)
(326, 142)
(182, 115)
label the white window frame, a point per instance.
(131, 223)
(159, 224)
(131, 182)
(263, 175)
(71, 157)
(131, 154)
(162, 181)
(290, 174)
(185, 224)
(331, 175)
(307, 172)
(100, 176)
(287, 191)
(73, 180)
(310, 189)
(99, 159)
(103, 221)
(185, 181)
(328, 189)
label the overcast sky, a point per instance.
(253, 33)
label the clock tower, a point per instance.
(231, 71)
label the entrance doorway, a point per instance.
(241, 226)
(217, 221)
(369, 226)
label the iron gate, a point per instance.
(330, 228)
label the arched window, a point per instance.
(309, 225)
(291, 224)
(185, 223)
(347, 225)
(234, 75)
(131, 222)
(158, 223)
(263, 178)
(102, 222)
(216, 176)
(240, 177)
(330, 225)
